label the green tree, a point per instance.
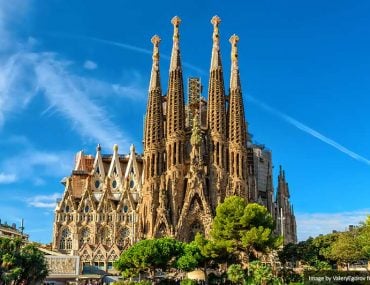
(261, 274)
(236, 274)
(244, 229)
(364, 238)
(201, 253)
(347, 248)
(21, 263)
(149, 255)
(34, 267)
(313, 252)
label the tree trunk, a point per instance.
(205, 273)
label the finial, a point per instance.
(234, 80)
(234, 49)
(155, 41)
(132, 148)
(98, 147)
(176, 22)
(115, 148)
(175, 55)
(215, 22)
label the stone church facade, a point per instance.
(195, 155)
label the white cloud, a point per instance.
(25, 74)
(7, 178)
(90, 65)
(144, 51)
(314, 224)
(34, 165)
(44, 201)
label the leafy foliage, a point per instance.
(325, 251)
(235, 273)
(347, 248)
(261, 274)
(148, 255)
(188, 282)
(21, 263)
(241, 227)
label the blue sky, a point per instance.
(74, 75)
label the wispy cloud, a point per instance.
(90, 65)
(310, 131)
(25, 74)
(44, 201)
(7, 178)
(68, 97)
(33, 165)
(134, 48)
(314, 224)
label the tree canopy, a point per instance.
(21, 263)
(149, 255)
(242, 227)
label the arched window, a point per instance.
(106, 236)
(66, 240)
(195, 228)
(84, 236)
(123, 236)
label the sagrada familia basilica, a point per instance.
(195, 155)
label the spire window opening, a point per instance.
(237, 165)
(174, 154)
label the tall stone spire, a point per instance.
(237, 129)
(175, 96)
(154, 132)
(153, 148)
(175, 128)
(287, 226)
(216, 91)
(175, 55)
(216, 58)
(237, 124)
(216, 120)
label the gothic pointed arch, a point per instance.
(115, 171)
(106, 204)
(86, 253)
(124, 237)
(113, 253)
(98, 172)
(195, 227)
(105, 235)
(100, 254)
(65, 239)
(132, 175)
(84, 236)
